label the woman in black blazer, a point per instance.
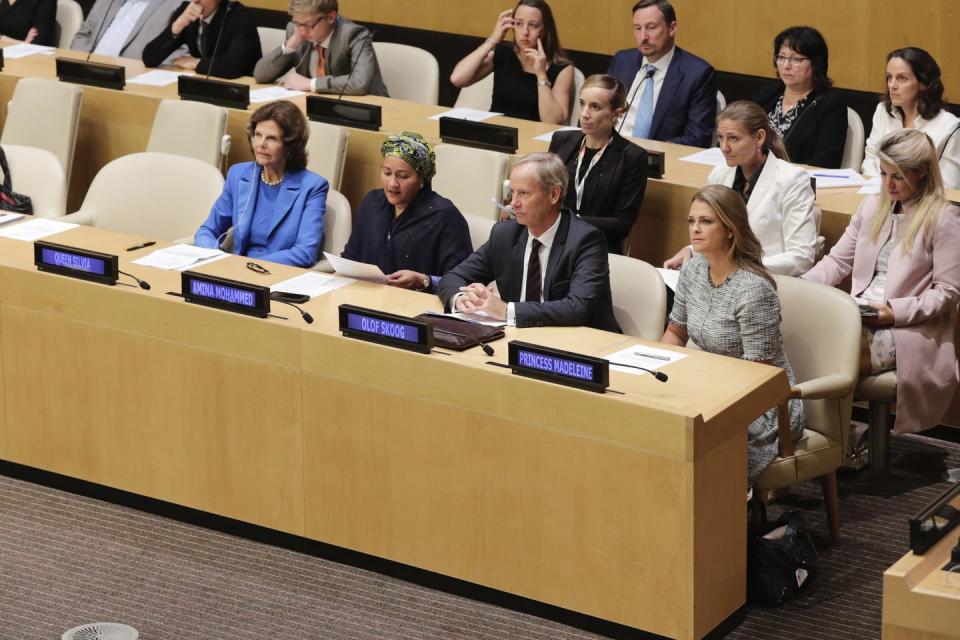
(808, 115)
(32, 21)
(607, 173)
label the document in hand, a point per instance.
(354, 269)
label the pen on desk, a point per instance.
(142, 245)
(652, 356)
(830, 175)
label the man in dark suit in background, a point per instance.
(323, 48)
(672, 93)
(549, 265)
(197, 25)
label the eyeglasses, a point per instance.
(253, 266)
(795, 61)
(304, 25)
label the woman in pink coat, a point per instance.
(903, 251)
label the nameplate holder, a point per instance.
(939, 519)
(345, 113)
(218, 92)
(482, 135)
(385, 328)
(76, 263)
(95, 74)
(656, 164)
(558, 366)
(226, 294)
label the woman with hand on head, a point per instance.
(272, 208)
(778, 195)
(607, 172)
(901, 249)
(33, 21)
(408, 230)
(531, 77)
(726, 302)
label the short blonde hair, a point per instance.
(318, 7)
(551, 171)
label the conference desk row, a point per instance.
(627, 506)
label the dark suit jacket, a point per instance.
(819, 132)
(686, 109)
(239, 46)
(614, 189)
(576, 285)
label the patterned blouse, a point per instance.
(782, 120)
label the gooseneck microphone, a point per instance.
(103, 23)
(353, 66)
(306, 316)
(216, 45)
(659, 375)
(143, 283)
(487, 349)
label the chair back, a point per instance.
(337, 223)
(157, 195)
(853, 148)
(486, 170)
(721, 105)
(37, 173)
(327, 151)
(192, 129)
(639, 297)
(69, 19)
(410, 73)
(578, 80)
(45, 114)
(270, 38)
(480, 227)
(479, 95)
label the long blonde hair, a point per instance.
(746, 252)
(912, 149)
(754, 118)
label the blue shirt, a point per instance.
(263, 214)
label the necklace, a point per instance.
(269, 183)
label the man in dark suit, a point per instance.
(549, 265)
(197, 25)
(672, 93)
(329, 54)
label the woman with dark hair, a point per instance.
(726, 302)
(406, 228)
(272, 208)
(809, 117)
(914, 100)
(33, 21)
(607, 172)
(531, 78)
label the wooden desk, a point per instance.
(628, 507)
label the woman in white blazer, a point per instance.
(778, 194)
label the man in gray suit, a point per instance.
(322, 47)
(122, 27)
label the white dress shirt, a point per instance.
(314, 58)
(625, 126)
(939, 128)
(118, 32)
(546, 242)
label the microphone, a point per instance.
(630, 103)
(659, 375)
(103, 23)
(306, 316)
(353, 66)
(487, 349)
(216, 45)
(505, 208)
(143, 283)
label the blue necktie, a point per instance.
(644, 117)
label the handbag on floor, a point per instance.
(9, 200)
(781, 559)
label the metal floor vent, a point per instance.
(101, 631)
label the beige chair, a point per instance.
(470, 178)
(157, 195)
(639, 297)
(192, 129)
(410, 73)
(578, 80)
(337, 225)
(270, 38)
(327, 151)
(45, 114)
(480, 227)
(853, 148)
(37, 173)
(69, 19)
(880, 393)
(721, 105)
(479, 95)
(821, 336)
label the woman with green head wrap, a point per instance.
(413, 234)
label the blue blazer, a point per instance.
(296, 230)
(687, 106)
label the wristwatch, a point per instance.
(426, 283)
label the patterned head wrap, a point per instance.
(414, 150)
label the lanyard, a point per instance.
(579, 183)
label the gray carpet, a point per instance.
(67, 560)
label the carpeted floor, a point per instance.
(67, 560)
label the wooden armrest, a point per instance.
(784, 435)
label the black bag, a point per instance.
(459, 335)
(10, 201)
(781, 560)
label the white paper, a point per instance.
(465, 113)
(35, 229)
(670, 277)
(354, 269)
(871, 188)
(837, 178)
(311, 284)
(23, 50)
(475, 318)
(548, 136)
(712, 156)
(157, 78)
(9, 217)
(179, 256)
(644, 356)
(200, 263)
(272, 93)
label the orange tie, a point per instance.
(321, 61)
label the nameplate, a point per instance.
(385, 328)
(656, 164)
(222, 293)
(483, 135)
(96, 74)
(345, 113)
(218, 92)
(561, 367)
(76, 263)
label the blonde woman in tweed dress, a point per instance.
(726, 302)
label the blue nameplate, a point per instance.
(385, 328)
(221, 293)
(74, 262)
(562, 367)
